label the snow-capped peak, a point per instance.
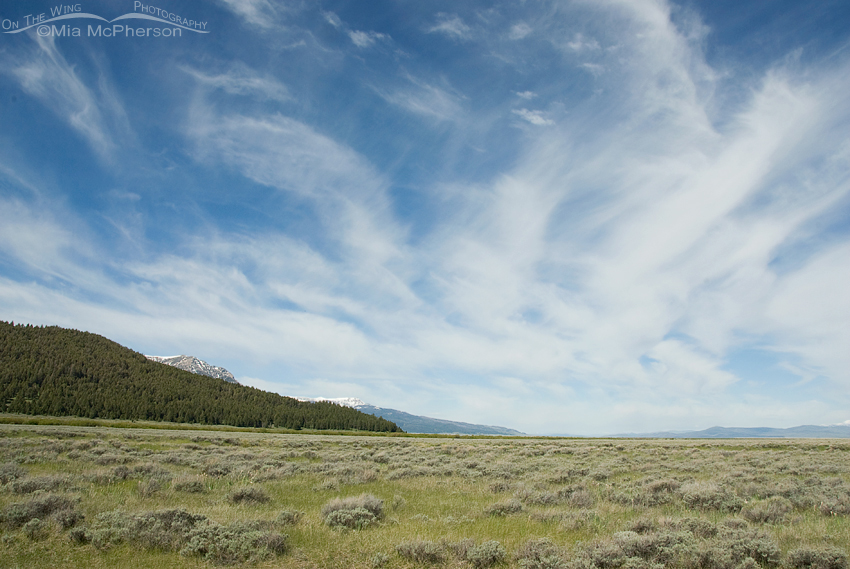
(194, 365)
(346, 401)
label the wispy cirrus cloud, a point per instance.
(534, 117)
(241, 80)
(260, 13)
(451, 25)
(519, 31)
(425, 99)
(97, 115)
(365, 39)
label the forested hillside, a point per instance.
(61, 372)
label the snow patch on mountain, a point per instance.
(194, 365)
(345, 401)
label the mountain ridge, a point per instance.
(417, 423)
(802, 431)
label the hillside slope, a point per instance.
(61, 372)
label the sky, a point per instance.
(587, 217)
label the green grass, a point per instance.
(578, 493)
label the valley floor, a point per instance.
(74, 496)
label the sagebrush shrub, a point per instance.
(178, 530)
(379, 560)
(757, 545)
(504, 508)
(831, 558)
(839, 506)
(68, 518)
(234, 544)
(16, 515)
(43, 483)
(358, 518)
(355, 512)
(191, 486)
(148, 488)
(773, 510)
(581, 498)
(289, 517)
(398, 503)
(540, 553)
(35, 529)
(710, 496)
(251, 494)
(422, 551)
(485, 555)
(10, 471)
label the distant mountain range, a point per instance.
(194, 365)
(428, 425)
(418, 424)
(803, 431)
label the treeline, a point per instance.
(60, 372)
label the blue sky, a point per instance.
(560, 217)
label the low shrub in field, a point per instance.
(486, 554)
(836, 507)
(166, 530)
(831, 558)
(190, 485)
(710, 496)
(34, 484)
(680, 543)
(40, 507)
(580, 498)
(148, 488)
(379, 560)
(35, 529)
(422, 551)
(355, 512)
(289, 517)
(178, 530)
(504, 508)
(773, 510)
(358, 518)
(68, 517)
(250, 494)
(11, 471)
(700, 528)
(540, 554)
(398, 503)
(233, 544)
(744, 543)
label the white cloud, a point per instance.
(579, 43)
(241, 80)
(534, 117)
(257, 12)
(422, 98)
(97, 116)
(519, 31)
(527, 95)
(332, 19)
(365, 39)
(451, 25)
